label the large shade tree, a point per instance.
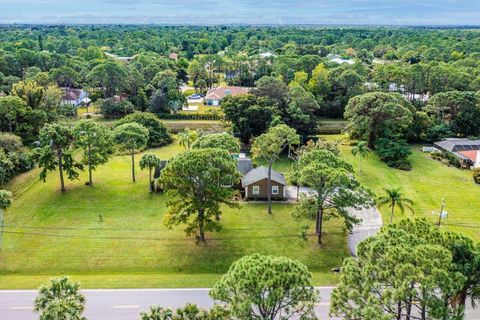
(110, 76)
(196, 184)
(217, 140)
(60, 300)
(96, 143)
(55, 151)
(378, 115)
(249, 115)
(11, 109)
(269, 146)
(267, 288)
(407, 271)
(132, 137)
(334, 189)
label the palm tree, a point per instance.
(5, 202)
(59, 300)
(175, 106)
(157, 313)
(149, 161)
(394, 198)
(362, 150)
(188, 137)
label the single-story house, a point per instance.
(467, 151)
(75, 97)
(215, 96)
(255, 184)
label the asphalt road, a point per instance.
(126, 304)
(123, 304)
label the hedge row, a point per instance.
(190, 116)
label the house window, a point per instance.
(274, 189)
(255, 190)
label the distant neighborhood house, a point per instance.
(255, 184)
(340, 60)
(123, 59)
(215, 96)
(75, 97)
(467, 151)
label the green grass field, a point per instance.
(426, 184)
(112, 235)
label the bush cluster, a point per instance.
(394, 153)
(446, 157)
(111, 109)
(476, 175)
(13, 158)
(158, 133)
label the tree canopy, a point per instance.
(197, 182)
(264, 287)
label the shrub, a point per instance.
(13, 163)
(10, 142)
(394, 153)
(116, 110)
(476, 175)
(438, 132)
(158, 133)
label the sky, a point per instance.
(282, 12)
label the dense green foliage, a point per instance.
(14, 158)
(334, 189)
(217, 140)
(264, 287)
(197, 183)
(60, 299)
(55, 151)
(476, 175)
(158, 134)
(406, 269)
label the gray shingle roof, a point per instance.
(455, 145)
(244, 165)
(261, 173)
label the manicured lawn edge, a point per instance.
(140, 280)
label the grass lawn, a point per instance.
(202, 109)
(112, 235)
(426, 184)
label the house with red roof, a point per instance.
(215, 96)
(467, 151)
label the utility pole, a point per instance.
(440, 215)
